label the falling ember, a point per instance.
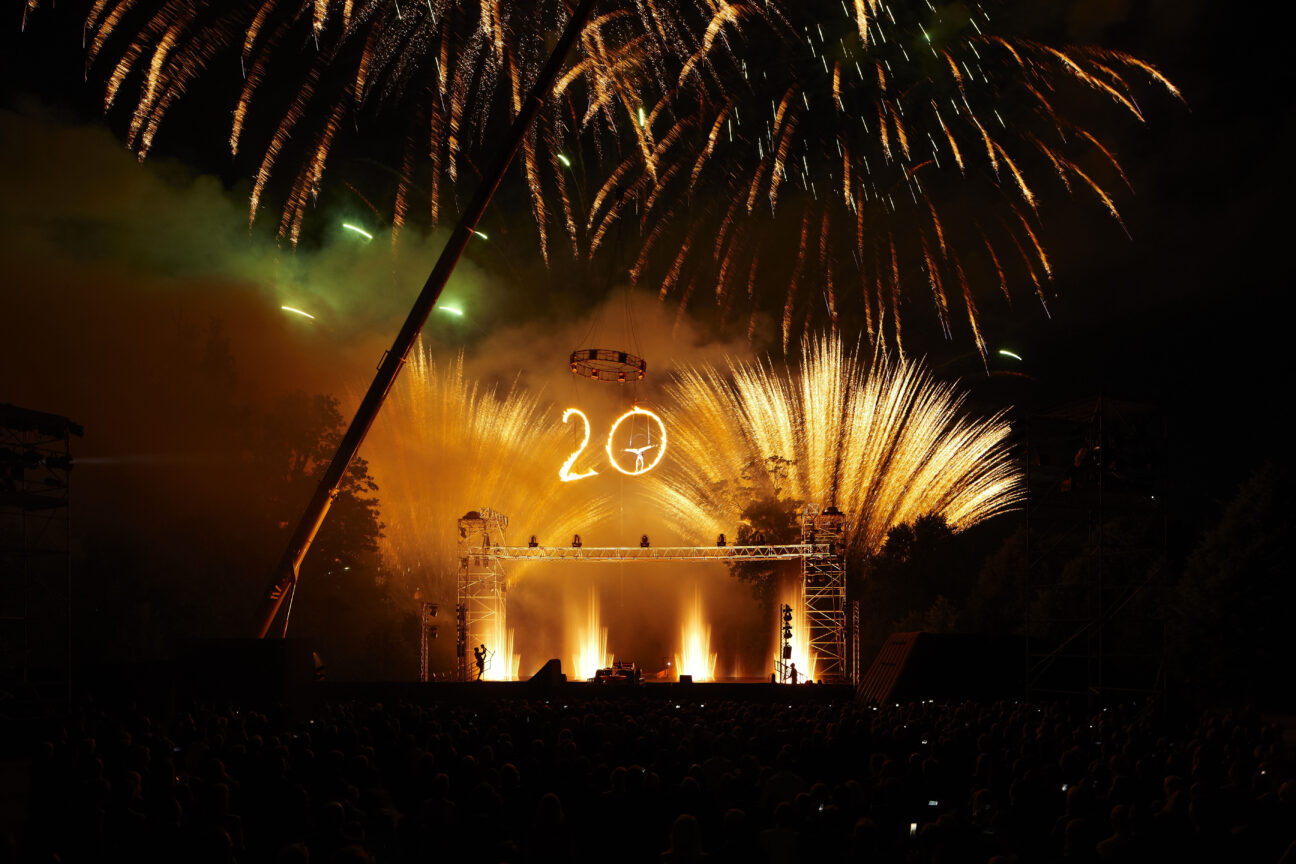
(590, 640)
(695, 657)
(790, 594)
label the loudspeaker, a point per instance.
(550, 673)
(686, 679)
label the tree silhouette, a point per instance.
(1229, 621)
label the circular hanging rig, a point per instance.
(605, 364)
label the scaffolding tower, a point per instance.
(427, 631)
(482, 583)
(823, 583)
(1095, 548)
(35, 553)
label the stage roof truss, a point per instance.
(795, 551)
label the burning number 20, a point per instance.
(641, 466)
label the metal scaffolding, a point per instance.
(823, 581)
(1095, 550)
(856, 671)
(482, 583)
(427, 631)
(787, 552)
(35, 552)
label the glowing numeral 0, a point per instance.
(640, 468)
(565, 473)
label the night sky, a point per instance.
(115, 270)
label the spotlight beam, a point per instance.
(284, 581)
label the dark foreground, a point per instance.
(490, 773)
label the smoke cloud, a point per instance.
(138, 295)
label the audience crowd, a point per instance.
(643, 780)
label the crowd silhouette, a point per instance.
(642, 780)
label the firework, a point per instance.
(695, 657)
(803, 157)
(885, 442)
(868, 157)
(445, 445)
(590, 640)
(434, 77)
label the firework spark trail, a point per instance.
(462, 64)
(881, 121)
(868, 120)
(445, 445)
(904, 446)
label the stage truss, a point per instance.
(823, 587)
(482, 585)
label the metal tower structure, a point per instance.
(783, 663)
(856, 671)
(482, 583)
(427, 631)
(1095, 550)
(823, 583)
(35, 552)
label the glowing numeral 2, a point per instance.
(565, 473)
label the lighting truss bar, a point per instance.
(655, 553)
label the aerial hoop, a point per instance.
(605, 364)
